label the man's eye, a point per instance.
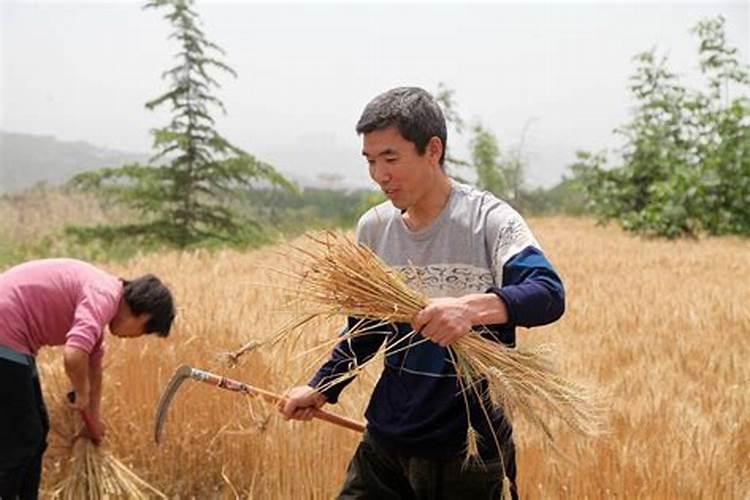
(391, 160)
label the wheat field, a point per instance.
(661, 328)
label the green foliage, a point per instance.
(291, 213)
(499, 172)
(55, 245)
(187, 193)
(485, 156)
(685, 167)
(444, 97)
(277, 213)
(565, 197)
(369, 199)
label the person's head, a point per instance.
(403, 139)
(413, 111)
(146, 307)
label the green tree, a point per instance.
(185, 194)
(685, 166)
(485, 158)
(444, 97)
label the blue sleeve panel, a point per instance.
(349, 353)
(532, 291)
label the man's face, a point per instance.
(404, 175)
(129, 325)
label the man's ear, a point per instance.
(435, 149)
(142, 319)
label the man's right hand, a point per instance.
(299, 403)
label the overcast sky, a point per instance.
(83, 71)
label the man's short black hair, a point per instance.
(149, 295)
(412, 110)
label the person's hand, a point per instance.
(443, 321)
(300, 402)
(93, 429)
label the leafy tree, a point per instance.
(444, 97)
(485, 158)
(565, 197)
(185, 194)
(685, 167)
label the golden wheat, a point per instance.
(662, 326)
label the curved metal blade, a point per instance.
(174, 383)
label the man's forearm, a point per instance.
(77, 368)
(485, 309)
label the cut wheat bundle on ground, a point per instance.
(94, 473)
(337, 277)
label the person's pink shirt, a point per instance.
(57, 302)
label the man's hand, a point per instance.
(300, 402)
(444, 320)
(447, 319)
(94, 428)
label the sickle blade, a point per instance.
(182, 373)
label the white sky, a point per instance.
(83, 70)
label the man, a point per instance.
(478, 261)
(62, 302)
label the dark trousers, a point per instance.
(378, 473)
(23, 430)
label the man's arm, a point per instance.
(532, 291)
(77, 368)
(328, 382)
(447, 319)
(86, 379)
(532, 294)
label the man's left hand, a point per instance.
(444, 320)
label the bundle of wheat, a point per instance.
(340, 277)
(90, 471)
(94, 473)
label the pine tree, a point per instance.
(185, 194)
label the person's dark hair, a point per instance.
(415, 113)
(149, 295)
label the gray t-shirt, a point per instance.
(464, 249)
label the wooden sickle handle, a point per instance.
(271, 397)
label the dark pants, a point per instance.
(23, 430)
(378, 473)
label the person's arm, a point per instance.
(83, 353)
(76, 364)
(447, 319)
(328, 382)
(532, 291)
(532, 295)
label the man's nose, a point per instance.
(381, 172)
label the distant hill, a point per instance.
(27, 159)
